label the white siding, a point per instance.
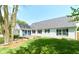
(77, 24)
(71, 33)
(21, 34)
(25, 35)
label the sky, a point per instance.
(36, 13)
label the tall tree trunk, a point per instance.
(1, 19)
(13, 20)
(2, 22)
(6, 24)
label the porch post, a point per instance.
(76, 33)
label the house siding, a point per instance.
(77, 24)
(52, 33)
(21, 34)
(71, 33)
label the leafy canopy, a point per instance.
(74, 14)
(20, 22)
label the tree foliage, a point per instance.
(74, 14)
(20, 22)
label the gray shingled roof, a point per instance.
(24, 26)
(54, 23)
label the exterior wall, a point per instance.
(21, 33)
(71, 34)
(77, 24)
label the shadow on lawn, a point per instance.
(49, 46)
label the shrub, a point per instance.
(1, 40)
(16, 36)
(48, 50)
(50, 46)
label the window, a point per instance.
(29, 32)
(65, 31)
(33, 31)
(47, 30)
(62, 32)
(40, 31)
(58, 31)
(24, 32)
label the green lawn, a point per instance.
(4, 50)
(1, 40)
(45, 46)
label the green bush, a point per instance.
(16, 36)
(49, 46)
(1, 40)
(4, 50)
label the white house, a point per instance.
(60, 27)
(22, 30)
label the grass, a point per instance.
(49, 46)
(4, 49)
(45, 46)
(1, 40)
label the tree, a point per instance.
(20, 22)
(1, 20)
(74, 14)
(8, 23)
(13, 20)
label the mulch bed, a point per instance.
(15, 44)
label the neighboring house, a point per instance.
(60, 27)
